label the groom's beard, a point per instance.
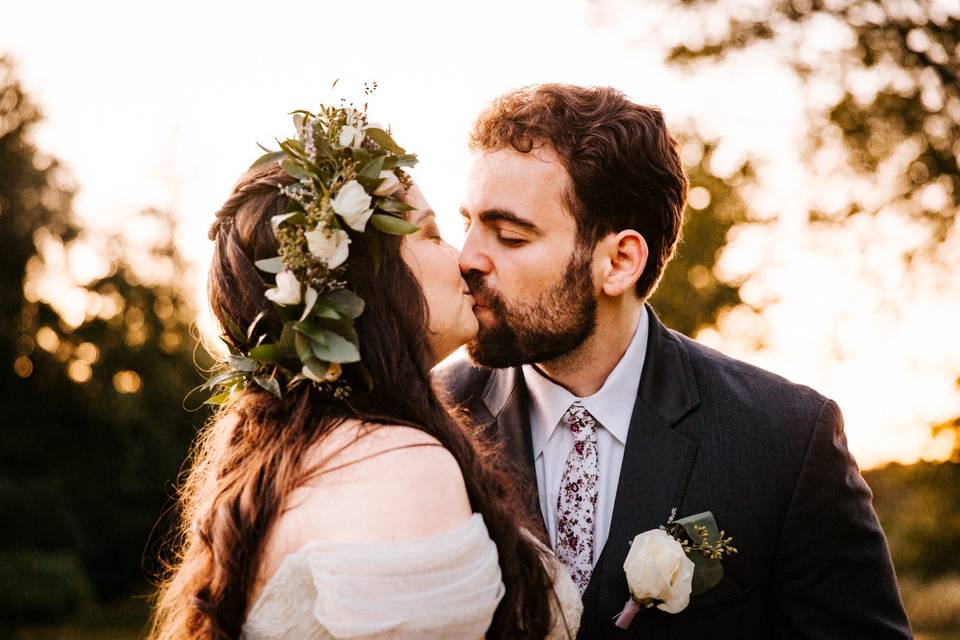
(539, 331)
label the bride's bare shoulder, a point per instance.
(374, 482)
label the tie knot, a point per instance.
(582, 424)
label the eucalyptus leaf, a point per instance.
(373, 168)
(336, 348)
(222, 379)
(707, 571)
(270, 156)
(293, 169)
(269, 383)
(408, 160)
(384, 139)
(293, 147)
(343, 328)
(270, 265)
(346, 302)
(217, 399)
(394, 206)
(362, 156)
(233, 329)
(266, 353)
(303, 346)
(324, 310)
(392, 224)
(242, 363)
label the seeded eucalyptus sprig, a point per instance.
(349, 175)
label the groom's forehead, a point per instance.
(533, 183)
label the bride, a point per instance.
(333, 495)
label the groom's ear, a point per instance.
(624, 256)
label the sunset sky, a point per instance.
(161, 105)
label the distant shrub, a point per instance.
(919, 508)
(40, 586)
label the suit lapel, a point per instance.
(506, 402)
(657, 463)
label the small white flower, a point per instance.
(351, 136)
(329, 245)
(389, 185)
(352, 115)
(658, 568)
(353, 205)
(287, 291)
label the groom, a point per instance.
(611, 420)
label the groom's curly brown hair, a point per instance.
(624, 165)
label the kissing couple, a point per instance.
(585, 473)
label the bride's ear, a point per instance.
(624, 256)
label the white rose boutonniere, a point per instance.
(658, 570)
(666, 566)
(352, 203)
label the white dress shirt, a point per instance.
(612, 407)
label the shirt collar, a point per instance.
(611, 405)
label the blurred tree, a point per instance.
(882, 80)
(691, 293)
(917, 505)
(94, 375)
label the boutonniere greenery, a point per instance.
(666, 566)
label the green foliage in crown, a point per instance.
(349, 176)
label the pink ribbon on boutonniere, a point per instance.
(630, 609)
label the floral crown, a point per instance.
(348, 174)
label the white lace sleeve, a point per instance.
(444, 586)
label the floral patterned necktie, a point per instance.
(577, 501)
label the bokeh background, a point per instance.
(822, 138)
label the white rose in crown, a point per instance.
(351, 136)
(353, 205)
(330, 246)
(389, 185)
(666, 566)
(287, 291)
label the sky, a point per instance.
(162, 104)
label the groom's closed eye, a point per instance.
(509, 226)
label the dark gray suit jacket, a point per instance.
(768, 457)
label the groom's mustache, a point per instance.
(482, 294)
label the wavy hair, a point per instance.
(624, 165)
(252, 452)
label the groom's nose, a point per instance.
(472, 255)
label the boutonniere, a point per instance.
(666, 566)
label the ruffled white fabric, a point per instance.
(443, 586)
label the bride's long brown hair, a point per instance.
(251, 454)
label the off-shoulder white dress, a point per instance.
(447, 585)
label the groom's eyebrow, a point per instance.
(503, 215)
